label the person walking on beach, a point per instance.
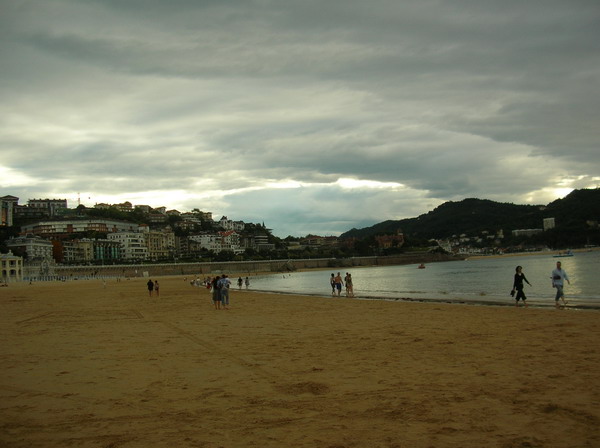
(216, 293)
(247, 282)
(225, 283)
(338, 283)
(332, 282)
(558, 276)
(150, 287)
(349, 285)
(518, 286)
(240, 283)
(156, 288)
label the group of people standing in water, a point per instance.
(337, 282)
(558, 276)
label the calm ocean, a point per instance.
(482, 280)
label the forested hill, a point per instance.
(472, 216)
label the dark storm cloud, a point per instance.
(220, 105)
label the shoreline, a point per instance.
(525, 254)
(494, 302)
(491, 301)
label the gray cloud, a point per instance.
(216, 106)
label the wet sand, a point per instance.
(88, 366)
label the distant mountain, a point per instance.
(473, 216)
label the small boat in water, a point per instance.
(568, 253)
(421, 266)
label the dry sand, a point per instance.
(87, 366)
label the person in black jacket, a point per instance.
(518, 286)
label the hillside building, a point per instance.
(133, 245)
(65, 227)
(160, 244)
(228, 224)
(526, 232)
(11, 268)
(86, 250)
(549, 224)
(7, 210)
(34, 247)
(50, 206)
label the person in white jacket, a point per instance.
(559, 275)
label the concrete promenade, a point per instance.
(239, 267)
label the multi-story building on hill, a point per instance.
(26, 213)
(185, 225)
(526, 232)
(51, 206)
(191, 217)
(61, 228)
(228, 224)
(34, 247)
(133, 245)
(209, 241)
(160, 244)
(157, 218)
(86, 250)
(143, 208)
(124, 207)
(7, 209)
(258, 242)
(230, 240)
(549, 223)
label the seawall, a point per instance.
(231, 267)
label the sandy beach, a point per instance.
(85, 365)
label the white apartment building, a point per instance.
(218, 242)
(35, 247)
(11, 267)
(191, 217)
(549, 223)
(526, 232)
(230, 241)
(209, 241)
(133, 245)
(228, 224)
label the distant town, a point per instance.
(45, 232)
(46, 229)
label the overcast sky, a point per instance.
(312, 116)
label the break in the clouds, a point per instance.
(312, 117)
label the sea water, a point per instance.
(486, 280)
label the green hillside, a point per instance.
(473, 216)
